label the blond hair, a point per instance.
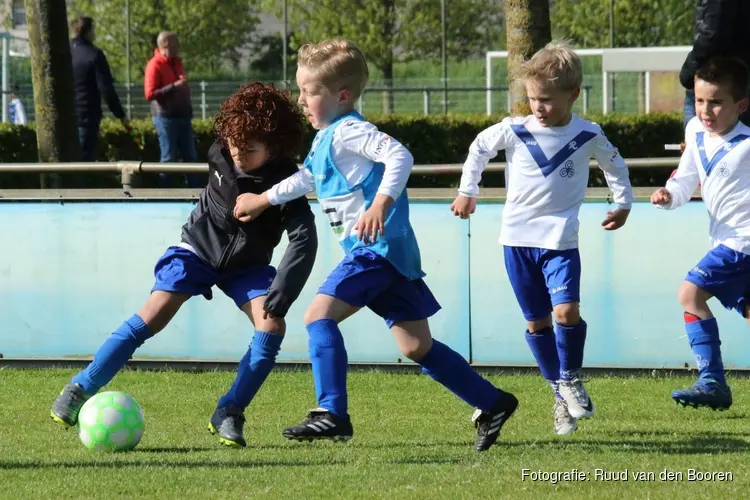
(556, 65)
(337, 63)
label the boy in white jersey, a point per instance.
(717, 157)
(548, 157)
(360, 174)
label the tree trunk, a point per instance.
(528, 30)
(52, 79)
(389, 28)
(387, 70)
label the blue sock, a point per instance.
(544, 349)
(704, 341)
(329, 365)
(113, 354)
(570, 343)
(446, 366)
(253, 369)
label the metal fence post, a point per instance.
(426, 99)
(585, 100)
(359, 103)
(5, 57)
(203, 99)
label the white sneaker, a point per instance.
(564, 423)
(577, 398)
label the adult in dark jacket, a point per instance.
(92, 80)
(259, 129)
(721, 28)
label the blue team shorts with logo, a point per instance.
(181, 271)
(725, 274)
(542, 278)
(366, 279)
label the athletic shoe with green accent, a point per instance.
(67, 405)
(228, 423)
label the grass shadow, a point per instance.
(696, 445)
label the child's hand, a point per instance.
(463, 206)
(249, 206)
(616, 219)
(661, 196)
(372, 223)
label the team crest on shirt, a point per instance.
(723, 170)
(568, 170)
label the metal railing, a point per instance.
(208, 96)
(128, 169)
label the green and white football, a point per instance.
(111, 421)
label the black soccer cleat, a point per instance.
(228, 423)
(321, 424)
(488, 424)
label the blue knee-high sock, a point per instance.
(113, 354)
(329, 365)
(704, 341)
(544, 349)
(570, 343)
(253, 369)
(446, 366)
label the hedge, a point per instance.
(432, 139)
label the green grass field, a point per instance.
(412, 440)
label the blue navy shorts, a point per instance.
(542, 279)
(725, 274)
(181, 271)
(366, 279)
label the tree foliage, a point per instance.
(638, 23)
(214, 34)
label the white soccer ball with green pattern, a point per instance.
(111, 421)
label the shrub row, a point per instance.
(432, 139)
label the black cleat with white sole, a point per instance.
(490, 423)
(321, 424)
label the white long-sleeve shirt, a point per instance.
(17, 113)
(546, 177)
(356, 146)
(721, 165)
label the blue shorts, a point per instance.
(725, 274)
(181, 271)
(542, 279)
(366, 279)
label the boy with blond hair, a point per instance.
(716, 158)
(548, 155)
(360, 174)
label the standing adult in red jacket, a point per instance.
(166, 88)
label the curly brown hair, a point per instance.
(261, 113)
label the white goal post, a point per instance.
(634, 59)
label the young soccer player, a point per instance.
(259, 130)
(717, 157)
(548, 157)
(360, 174)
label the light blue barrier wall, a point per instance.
(70, 274)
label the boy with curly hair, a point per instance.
(259, 131)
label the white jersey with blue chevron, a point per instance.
(546, 177)
(351, 162)
(721, 165)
